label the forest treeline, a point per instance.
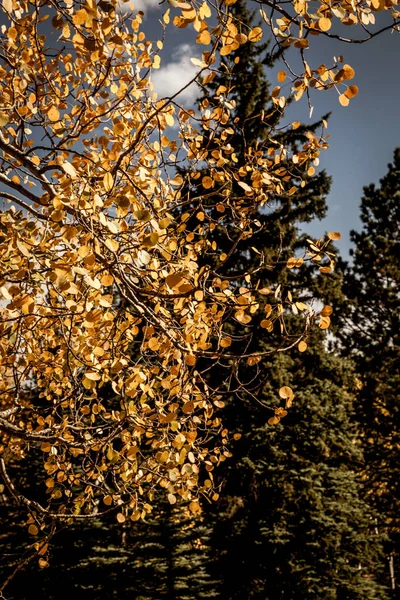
(307, 508)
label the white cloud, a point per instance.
(174, 75)
(144, 5)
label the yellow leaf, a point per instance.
(108, 182)
(33, 530)
(204, 38)
(348, 72)
(112, 245)
(294, 262)
(107, 280)
(7, 5)
(324, 24)
(242, 317)
(255, 34)
(188, 407)
(142, 215)
(351, 91)
(149, 241)
(253, 360)
(324, 323)
(69, 170)
(281, 76)
(169, 119)
(92, 376)
(326, 311)
(378, 4)
(302, 346)
(163, 224)
(286, 392)
(207, 182)
(344, 101)
(5, 293)
(334, 235)
(173, 279)
(267, 324)
(195, 508)
(80, 17)
(198, 63)
(53, 114)
(43, 563)
(245, 186)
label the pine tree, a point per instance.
(371, 335)
(290, 521)
(163, 557)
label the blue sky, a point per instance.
(363, 135)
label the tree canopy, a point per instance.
(118, 301)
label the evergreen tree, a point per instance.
(163, 557)
(371, 335)
(290, 522)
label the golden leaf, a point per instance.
(198, 63)
(326, 311)
(69, 170)
(207, 182)
(324, 24)
(92, 376)
(173, 279)
(324, 323)
(348, 72)
(281, 76)
(188, 407)
(149, 241)
(255, 34)
(245, 186)
(351, 91)
(204, 37)
(285, 392)
(108, 182)
(242, 317)
(294, 262)
(33, 530)
(107, 280)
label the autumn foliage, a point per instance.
(116, 299)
